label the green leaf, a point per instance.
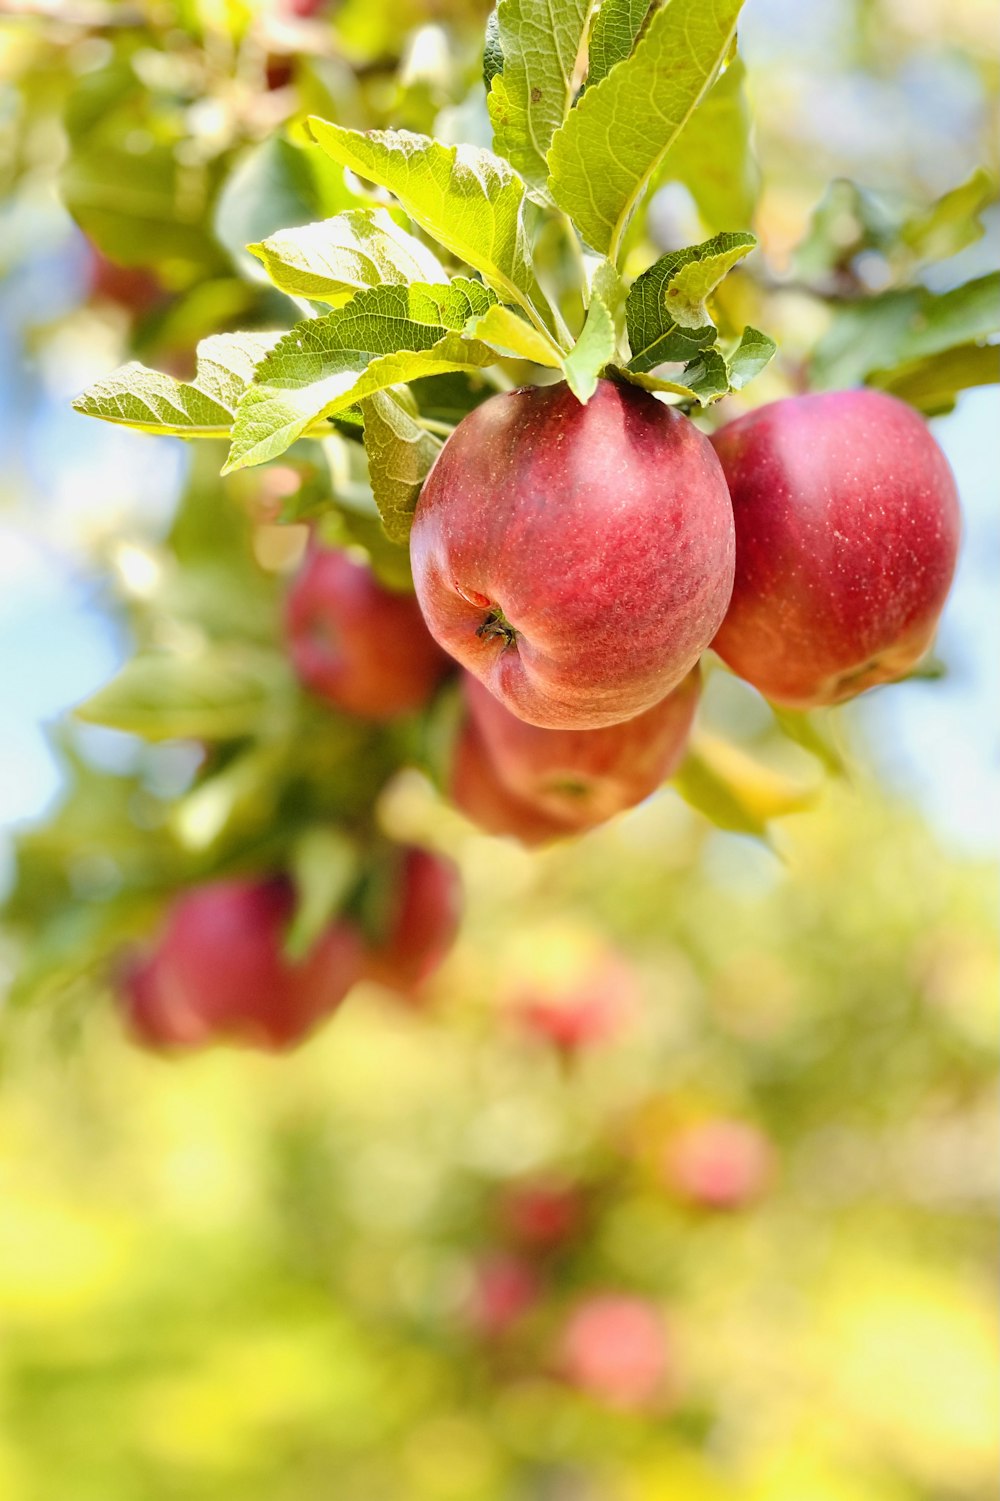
(134, 396)
(511, 335)
(712, 155)
(735, 791)
(492, 50)
(932, 384)
(324, 867)
(602, 158)
(952, 222)
(329, 262)
(754, 351)
(810, 732)
(381, 338)
(469, 200)
(707, 376)
(942, 320)
(277, 185)
(594, 348)
(880, 333)
(400, 454)
(665, 313)
(529, 100)
(655, 383)
(217, 694)
(613, 35)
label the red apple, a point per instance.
(719, 1164)
(586, 1009)
(615, 1347)
(420, 924)
(133, 288)
(542, 1216)
(356, 644)
(505, 1288)
(477, 791)
(847, 530)
(577, 559)
(218, 971)
(585, 777)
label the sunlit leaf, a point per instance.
(329, 262)
(509, 334)
(400, 454)
(469, 200)
(613, 142)
(382, 337)
(156, 403)
(592, 351)
(531, 97)
(613, 35)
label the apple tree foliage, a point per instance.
(346, 257)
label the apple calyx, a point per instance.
(496, 627)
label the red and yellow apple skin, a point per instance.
(218, 972)
(420, 927)
(584, 777)
(847, 532)
(576, 559)
(362, 648)
(477, 791)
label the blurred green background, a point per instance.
(364, 1271)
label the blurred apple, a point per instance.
(615, 1347)
(133, 288)
(356, 644)
(477, 791)
(584, 1004)
(420, 924)
(505, 1288)
(720, 1164)
(584, 777)
(542, 1216)
(218, 971)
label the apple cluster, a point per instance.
(220, 972)
(576, 562)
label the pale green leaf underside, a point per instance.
(665, 313)
(594, 348)
(330, 261)
(752, 353)
(383, 337)
(611, 144)
(531, 97)
(707, 375)
(135, 396)
(616, 26)
(400, 454)
(511, 335)
(216, 695)
(469, 200)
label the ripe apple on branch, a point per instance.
(530, 437)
